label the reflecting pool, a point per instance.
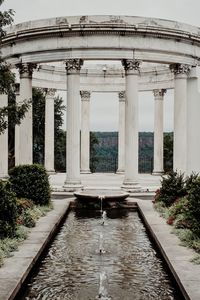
(127, 268)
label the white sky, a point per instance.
(104, 107)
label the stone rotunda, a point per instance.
(155, 55)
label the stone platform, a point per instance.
(107, 181)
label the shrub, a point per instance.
(172, 188)
(8, 210)
(31, 182)
(194, 206)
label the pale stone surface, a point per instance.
(92, 78)
(180, 117)
(85, 131)
(4, 143)
(131, 125)
(193, 121)
(158, 132)
(25, 130)
(49, 131)
(121, 133)
(33, 48)
(73, 180)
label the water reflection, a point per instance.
(128, 269)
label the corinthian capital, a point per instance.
(159, 93)
(85, 95)
(131, 64)
(50, 93)
(73, 65)
(180, 69)
(122, 95)
(26, 69)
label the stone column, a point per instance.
(131, 125)
(193, 122)
(158, 132)
(73, 180)
(49, 131)
(121, 133)
(25, 134)
(85, 132)
(4, 142)
(180, 116)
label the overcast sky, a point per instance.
(104, 107)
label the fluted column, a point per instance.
(131, 125)
(73, 180)
(121, 133)
(193, 122)
(4, 142)
(158, 132)
(49, 131)
(180, 116)
(25, 130)
(85, 132)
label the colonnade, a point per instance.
(186, 103)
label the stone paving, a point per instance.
(110, 181)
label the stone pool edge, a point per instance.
(177, 257)
(17, 268)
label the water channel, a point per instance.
(127, 268)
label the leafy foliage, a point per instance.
(31, 182)
(39, 97)
(8, 210)
(172, 188)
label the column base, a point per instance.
(131, 186)
(51, 172)
(4, 176)
(72, 186)
(158, 173)
(86, 171)
(120, 171)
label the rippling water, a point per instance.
(128, 268)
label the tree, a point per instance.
(13, 111)
(39, 96)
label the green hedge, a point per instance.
(31, 182)
(8, 210)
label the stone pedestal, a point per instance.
(49, 131)
(73, 180)
(180, 116)
(4, 143)
(85, 132)
(158, 132)
(24, 149)
(131, 126)
(121, 133)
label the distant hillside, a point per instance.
(107, 151)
